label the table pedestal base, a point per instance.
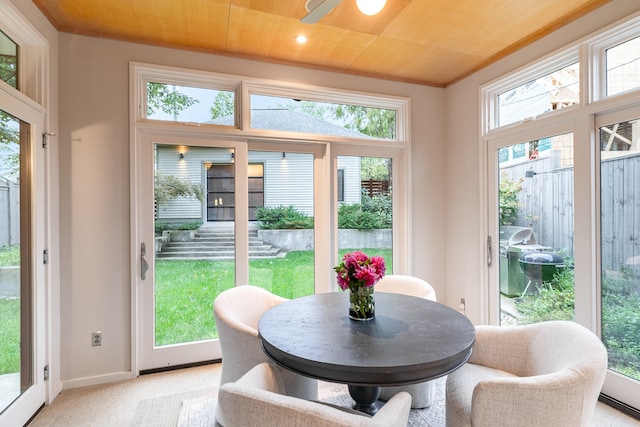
(365, 398)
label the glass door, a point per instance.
(532, 215)
(282, 255)
(365, 207)
(192, 208)
(619, 147)
(22, 237)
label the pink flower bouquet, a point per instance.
(358, 270)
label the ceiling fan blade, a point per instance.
(319, 11)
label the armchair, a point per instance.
(256, 399)
(545, 374)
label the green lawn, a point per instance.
(185, 290)
(9, 335)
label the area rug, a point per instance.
(197, 408)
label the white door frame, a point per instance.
(25, 109)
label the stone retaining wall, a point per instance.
(302, 240)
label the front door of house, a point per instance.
(221, 190)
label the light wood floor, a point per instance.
(115, 404)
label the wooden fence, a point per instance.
(9, 213)
(548, 208)
(373, 187)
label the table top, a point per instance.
(410, 339)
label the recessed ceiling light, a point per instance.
(302, 39)
(370, 7)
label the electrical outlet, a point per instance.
(96, 339)
(463, 306)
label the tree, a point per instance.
(168, 100)
(223, 105)
(375, 122)
(8, 68)
(167, 187)
(509, 203)
(9, 142)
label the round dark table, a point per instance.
(410, 340)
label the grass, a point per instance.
(9, 318)
(185, 290)
(9, 335)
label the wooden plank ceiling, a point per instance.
(429, 42)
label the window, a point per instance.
(322, 118)
(8, 60)
(561, 190)
(190, 104)
(553, 91)
(340, 185)
(623, 66)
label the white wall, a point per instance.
(94, 177)
(464, 205)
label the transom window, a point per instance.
(203, 98)
(610, 60)
(623, 66)
(8, 60)
(549, 92)
(323, 118)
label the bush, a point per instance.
(283, 218)
(509, 203)
(374, 213)
(621, 321)
(553, 301)
(10, 255)
(620, 313)
(353, 216)
(381, 206)
(166, 226)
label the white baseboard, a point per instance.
(98, 379)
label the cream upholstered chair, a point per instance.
(545, 374)
(256, 399)
(237, 312)
(422, 394)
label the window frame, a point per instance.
(490, 114)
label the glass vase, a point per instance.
(362, 305)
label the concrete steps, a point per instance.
(210, 244)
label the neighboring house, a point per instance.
(275, 178)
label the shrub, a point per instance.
(283, 217)
(553, 301)
(10, 255)
(373, 213)
(621, 321)
(381, 206)
(509, 203)
(166, 226)
(620, 313)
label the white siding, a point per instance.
(287, 181)
(352, 185)
(191, 168)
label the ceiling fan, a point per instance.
(319, 8)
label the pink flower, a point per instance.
(357, 269)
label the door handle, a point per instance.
(489, 254)
(144, 265)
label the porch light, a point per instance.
(370, 7)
